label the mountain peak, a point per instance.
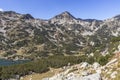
(117, 16)
(65, 15)
(27, 16)
(10, 13)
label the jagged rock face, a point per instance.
(23, 35)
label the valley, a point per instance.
(62, 41)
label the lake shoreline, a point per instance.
(7, 62)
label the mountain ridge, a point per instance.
(62, 13)
(23, 36)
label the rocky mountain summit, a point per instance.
(23, 36)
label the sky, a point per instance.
(46, 9)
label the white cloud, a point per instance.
(1, 9)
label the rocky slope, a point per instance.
(82, 71)
(85, 71)
(23, 36)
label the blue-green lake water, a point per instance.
(4, 62)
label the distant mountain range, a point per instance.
(23, 36)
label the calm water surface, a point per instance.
(4, 62)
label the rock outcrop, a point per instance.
(90, 72)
